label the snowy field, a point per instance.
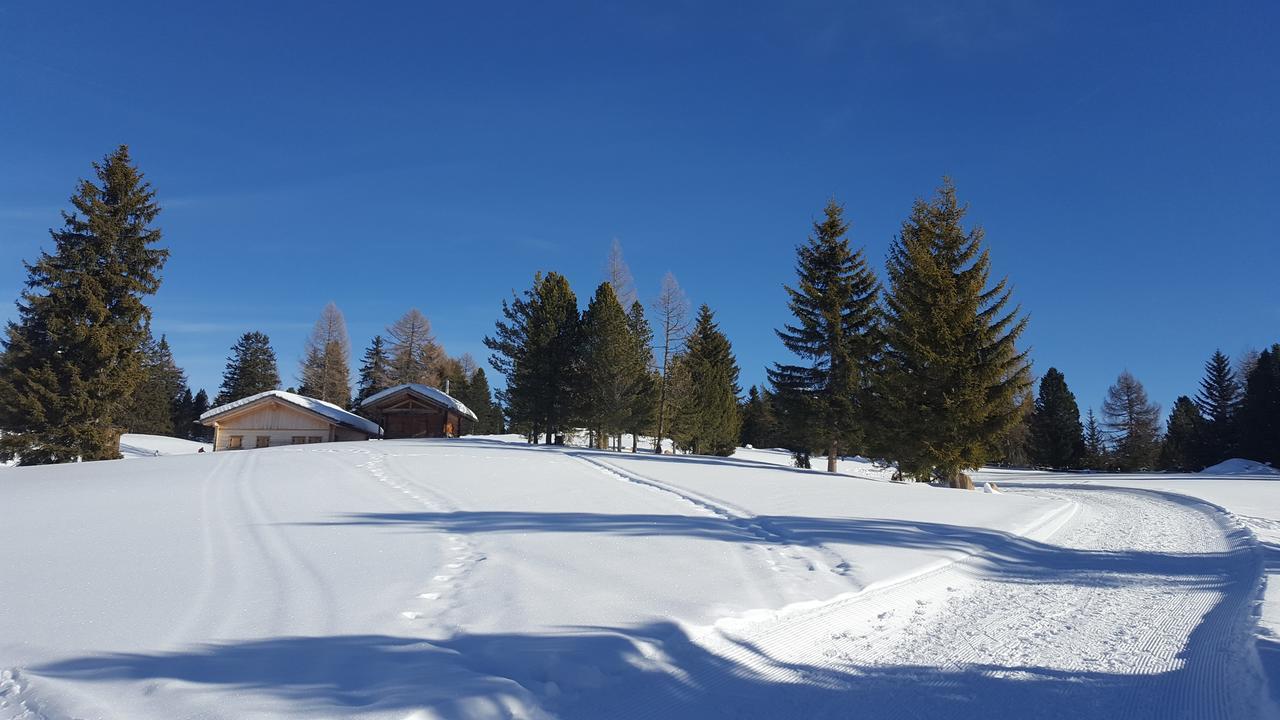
(136, 445)
(482, 578)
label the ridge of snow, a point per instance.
(1240, 466)
(327, 409)
(427, 391)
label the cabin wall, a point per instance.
(278, 424)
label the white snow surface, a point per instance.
(439, 396)
(327, 409)
(139, 445)
(1239, 466)
(485, 578)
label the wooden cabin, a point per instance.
(276, 417)
(416, 411)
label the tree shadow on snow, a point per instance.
(654, 671)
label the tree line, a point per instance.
(608, 370)
(80, 365)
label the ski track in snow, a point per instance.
(1139, 608)
(781, 552)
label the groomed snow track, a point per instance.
(1140, 605)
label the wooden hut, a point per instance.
(416, 411)
(276, 417)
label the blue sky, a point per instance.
(1124, 161)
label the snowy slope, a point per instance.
(137, 445)
(485, 578)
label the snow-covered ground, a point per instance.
(486, 578)
(137, 445)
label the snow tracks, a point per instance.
(1139, 607)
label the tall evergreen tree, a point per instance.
(199, 406)
(1057, 437)
(73, 357)
(1133, 421)
(535, 347)
(1014, 446)
(1095, 444)
(477, 396)
(644, 401)
(1259, 416)
(416, 357)
(671, 311)
(759, 427)
(1218, 401)
(251, 369)
(834, 304)
(1182, 449)
(951, 370)
(375, 371)
(612, 374)
(157, 398)
(326, 368)
(707, 419)
(184, 416)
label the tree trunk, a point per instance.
(833, 454)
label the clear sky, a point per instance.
(1124, 160)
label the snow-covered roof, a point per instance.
(320, 407)
(430, 393)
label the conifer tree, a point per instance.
(671, 311)
(759, 427)
(375, 371)
(535, 347)
(1095, 444)
(73, 357)
(478, 397)
(619, 276)
(1218, 401)
(1057, 437)
(199, 406)
(644, 402)
(951, 370)
(1132, 420)
(326, 369)
(1259, 415)
(707, 419)
(184, 416)
(612, 374)
(251, 369)
(1014, 447)
(1181, 449)
(416, 357)
(158, 396)
(834, 304)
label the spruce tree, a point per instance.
(1218, 401)
(1132, 420)
(1181, 449)
(326, 370)
(199, 406)
(759, 427)
(1259, 415)
(1057, 437)
(951, 370)
(644, 401)
(834, 304)
(535, 347)
(1095, 444)
(375, 371)
(416, 357)
(184, 416)
(73, 357)
(707, 419)
(157, 398)
(612, 374)
(479, 398)
(251, 369)
(1014, 446)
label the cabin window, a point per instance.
(314, 439)
(298, 440)
(263, 441)
(235, 442)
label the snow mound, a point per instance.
(138, 445)
(1240, 466)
